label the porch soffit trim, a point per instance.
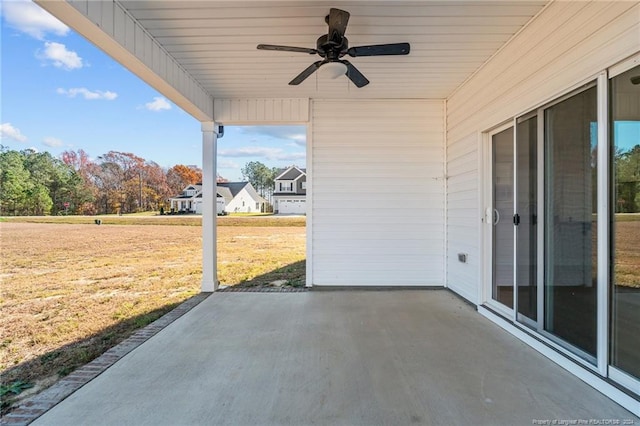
(107, 25)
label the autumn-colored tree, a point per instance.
(189, 174)
(116, 182)
(123, 173)
(79, 160)
(82, 164)
(156, 189)
(179, 176)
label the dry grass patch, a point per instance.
(255, 220)
(627, 267)
(71, 291)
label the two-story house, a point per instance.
(190, 201)
(289, 196)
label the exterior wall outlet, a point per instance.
(462, 257)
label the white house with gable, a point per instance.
(231, 197)
(241, 197)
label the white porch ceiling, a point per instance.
(215, 42)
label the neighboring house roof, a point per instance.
(225, 192)
(235, 187)
(291, 173)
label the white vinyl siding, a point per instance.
(568, 44)
(243, 202)
(462, 217)
(251, 111)
(378, 193)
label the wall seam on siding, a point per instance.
(309, 262)
(445, 189)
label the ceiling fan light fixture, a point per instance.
(333, 70)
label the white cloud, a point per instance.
(10, 132)
(29, 18)
(52, 142)
(87, 94)
(158, 104)
(296, 134)
(228, 164)
(292, 156)
(58, 54)
(258, 151)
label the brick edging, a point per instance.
(35, 406)
(236, 289)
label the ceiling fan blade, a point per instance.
(287, 48)
(354, 75)
(380, 50)
(306, 73)
(338, 20)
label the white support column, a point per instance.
(209, 250)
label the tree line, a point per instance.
(36, 183)
(627, 172)
(261, 177)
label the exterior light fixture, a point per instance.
(333, 69)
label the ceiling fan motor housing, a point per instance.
(331, 49)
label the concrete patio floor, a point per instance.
(333, 358)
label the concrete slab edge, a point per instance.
(32, 408)
(374, 287)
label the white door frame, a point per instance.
(487, 221)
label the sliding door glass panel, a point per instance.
(527, 189)
(570, 220)
(625, 293)
(502, 152)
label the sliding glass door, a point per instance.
(625, 236)
(526, 219)
(560, 302)
(514, 218)
(570, 243)
(502, 214)
(564, 223)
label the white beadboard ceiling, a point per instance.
(215, 41)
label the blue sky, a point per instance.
(59, 92)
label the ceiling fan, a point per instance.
(334, 45)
